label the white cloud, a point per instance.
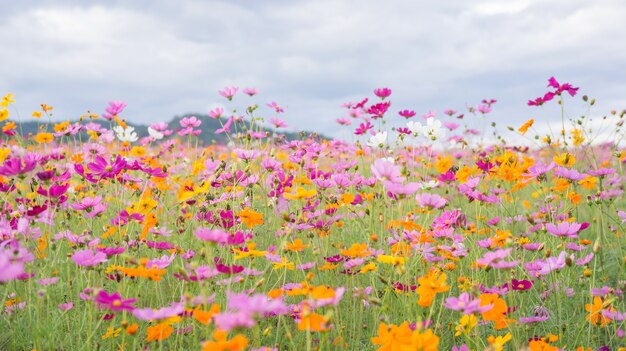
(167, 58)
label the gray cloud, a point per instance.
(170, 57)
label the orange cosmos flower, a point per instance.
(524, 128)
(595, 315)
(159, 332)
(429, 285)
(43, 138)
(221, 342)
(250, 218)
(497, 312)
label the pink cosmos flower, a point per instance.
(343, 121)
(250, 91)
(384, 169)
(537, 170)
(552, 263)
(47, 281)
(451, 125)
(495, 259)
(275, 106)
(226, 127)
(88, 258)
(115, 108)
(278, 123)
(465, 303)
(430, 200)
(363, 128)
(401, 189)
(257, 304)
(213, 235)
(228, 321)
(216, 112)
(9, 269)
(228, 92)
(566, 229)
(190, 122)
(66, 306)
(92, 206)
(382, 92)
(246, 154)
(483, 108)
(148, 314)
(161, 263)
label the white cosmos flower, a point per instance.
(433, 129)
(155, 134)
(415, 127)
(378, 141)
(431, 184)
(125, 134)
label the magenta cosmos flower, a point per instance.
(382, 92)
(114, 302)
(17, 166)
(101, 168)
(88, 258)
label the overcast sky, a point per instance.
(170, 57)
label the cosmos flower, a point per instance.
(125, 134)
(88, 258)
(379, 140)
(114, 301)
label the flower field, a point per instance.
(419, 234)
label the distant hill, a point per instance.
(209, 126)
